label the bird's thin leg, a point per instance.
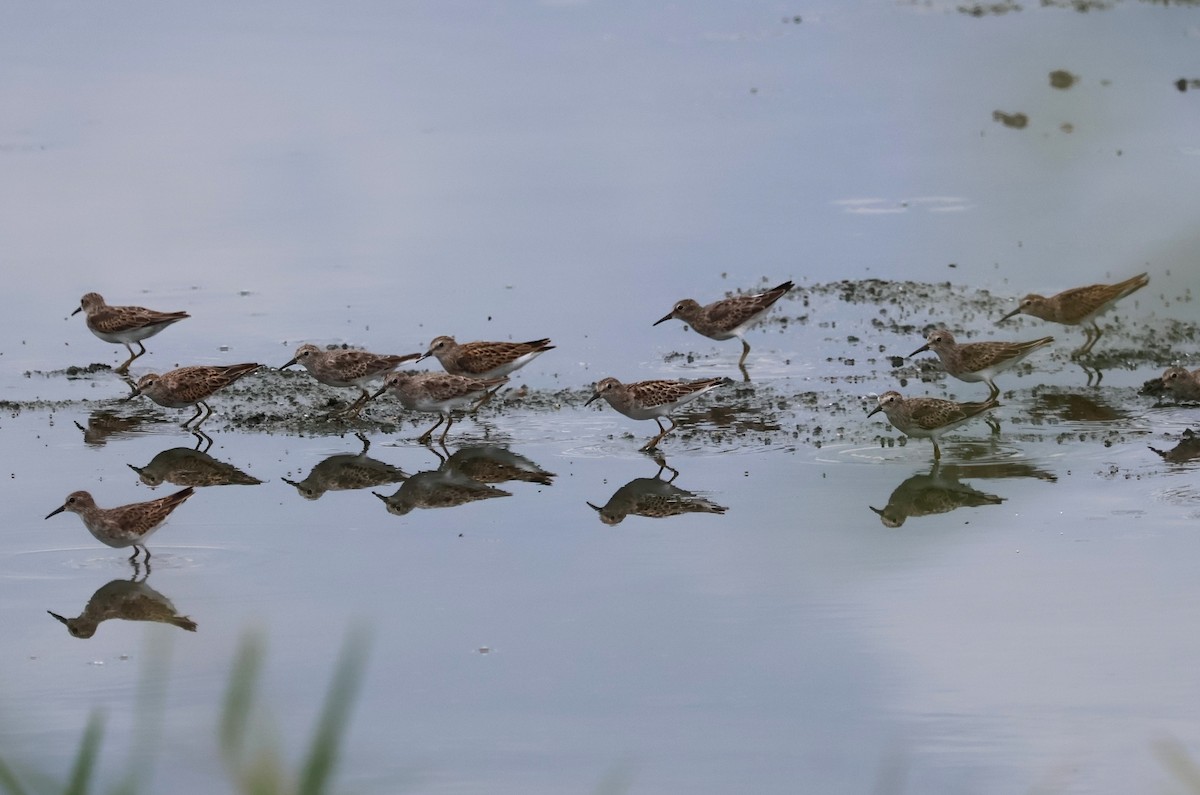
(446, 430)
(425, 437)
(123, 367)
(207, 413)
(355, 407)
(199, 411)
(202, 440)
(937, 451)
(745, 353)
(488, 395)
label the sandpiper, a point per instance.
(650, 400)
(729, 317)
(485, 359)
(191, 386)
(928, 417)
(124, 526)
(1079, 306)
(978, 361)
(437, 392)
(124, 324)
(344, 368)
(1182, 384)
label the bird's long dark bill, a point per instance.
(56, 615)
(422, 357)
(595, 508)
(59, 509)
(588, 402)
(381, 390)
(922, 349)
(289, 364)
(664, 319)
(875, 410)
(1016, 311)
(78, 309)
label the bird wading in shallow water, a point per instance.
(442, 393)
(124, 526)
(928, 417)
(729, 317)
(191, 386)
(1079, 306)
(651, 400)
(978, 361)
(346, 368)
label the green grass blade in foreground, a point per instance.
(331, 727)
(9, 782)
(85, 760)
(239, 698)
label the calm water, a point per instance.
(384, 173)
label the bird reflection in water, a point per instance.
(450, 484)
(185, 466)
(103, 424)
(131, 600)
(941, 491)
(1073, 407)
(1186, 450)
(654, 498)
(492, 464)
(346, 472)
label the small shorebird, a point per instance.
(124, 526)
(191, 386)
(729, 317)
(484, 359)
(1079, 306)
(124, 324)
(1182, 384)
(650, 400)
(437, 392)
(928, 417)
(978, 361)
(344, 368)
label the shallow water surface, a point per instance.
(792, 592)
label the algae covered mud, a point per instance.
(815, 392)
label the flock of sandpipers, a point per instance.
(475, 370)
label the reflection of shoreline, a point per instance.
(347, 472)
(940, 490)
(654, 498)
(131, 600)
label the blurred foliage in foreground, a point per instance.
(254, 763)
